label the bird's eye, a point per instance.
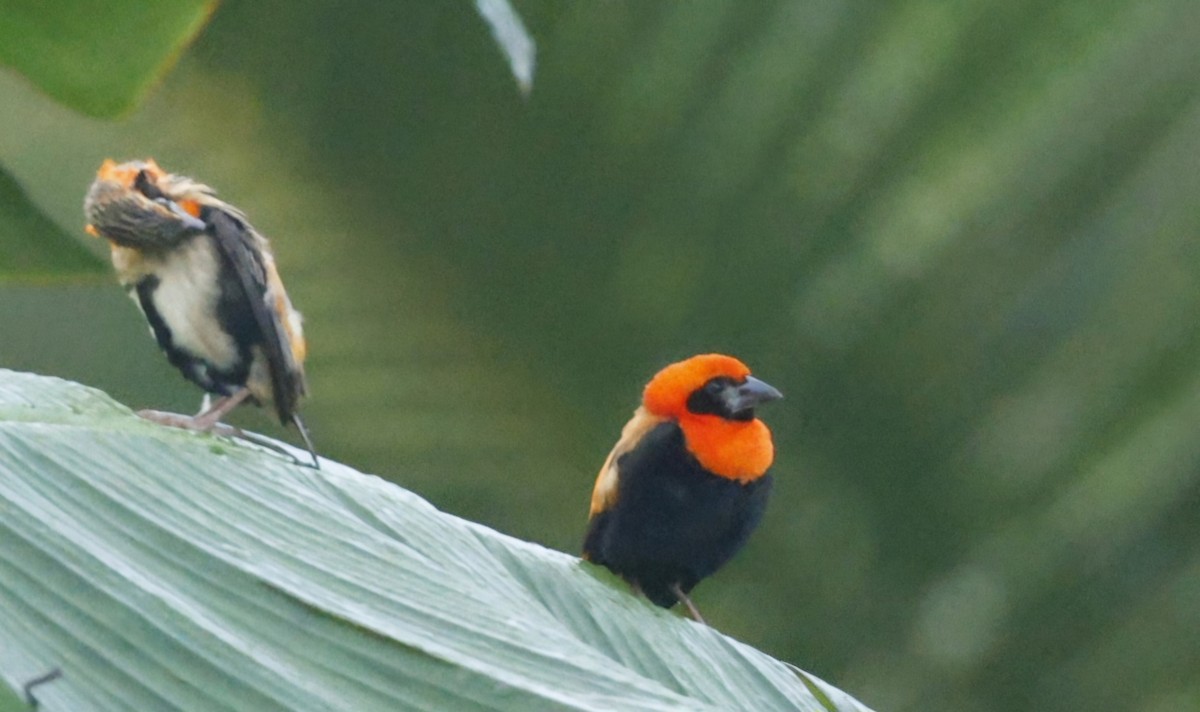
(710, 399)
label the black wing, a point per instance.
(236, 242)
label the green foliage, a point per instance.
(961, 237)
(97, 57)
(10, 701)
(31, 245)
(164, 569)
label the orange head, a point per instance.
(127, 173)
(137, 204)
(713, 397)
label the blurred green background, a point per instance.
(960, 236)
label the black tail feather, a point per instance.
(316, 462)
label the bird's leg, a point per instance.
(206, 420)
(203, 422)
(209, 421)
(683, 598)
(230, 431)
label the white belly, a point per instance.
(186, 299)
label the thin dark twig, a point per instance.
(42, 679)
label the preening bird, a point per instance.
(206, 282)
(687, 482)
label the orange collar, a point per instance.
(728, 448)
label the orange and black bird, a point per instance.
(206, 282)
(687, 482)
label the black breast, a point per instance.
(673, 521)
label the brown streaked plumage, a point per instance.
(206, 282)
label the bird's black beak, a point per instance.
(747, 395)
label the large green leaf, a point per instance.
(165, 569)
(97, 57)
(961, 237)
(31, 245)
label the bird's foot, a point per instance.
(176, 420)
(204, 424)
(683, 598)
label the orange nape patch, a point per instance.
(126, 173)
(667, 393)
(189, 206)
(737, 450)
